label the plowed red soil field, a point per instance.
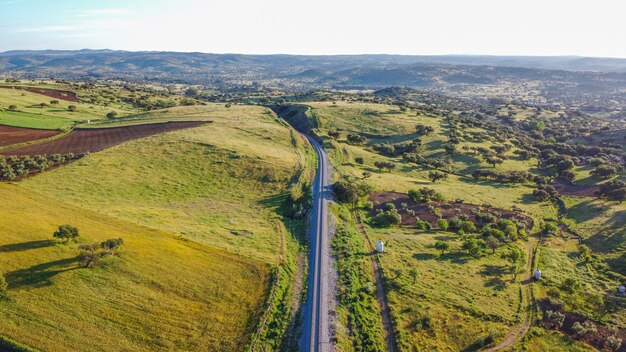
(96, 139)
(13, 135)
(52, 93)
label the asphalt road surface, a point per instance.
(316, 332)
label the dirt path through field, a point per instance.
(380, 292)
(528, 301)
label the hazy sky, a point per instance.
(529, 27)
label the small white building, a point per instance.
(537, 274)
(380, 247)
(622, 290)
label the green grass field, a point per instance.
(159, 293)
(221, 186)
(461, 298)
(218, 184)
(30, 114)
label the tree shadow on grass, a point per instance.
(274, 201)
(496, 283)
(41, 274)
(23, 246)
(425, 256)
(494, 274)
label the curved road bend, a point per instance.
(315, 328)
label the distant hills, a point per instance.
(592, 83)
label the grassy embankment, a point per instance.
(222, 185)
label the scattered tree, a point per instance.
(442, 246)
(435, 176)
(66, 232)
(473, 247)
(12, 107)
(72, 108)
(493, 243)
(385, 165)
(516, 259)
(112, 115)
(442, 224)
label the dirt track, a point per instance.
(97, 139)
(14, 135)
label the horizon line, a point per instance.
(334, 54)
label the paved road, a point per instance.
(316, 333)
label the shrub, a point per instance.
(422, 225)
(369, 205)
(473, 247)
(72, 108)
(12, 107)
(584, 328)
(359, 160)
(345, 192)
(390, 206)
(424, 195)
(388, 218)
(467, 227)
(555, 318)
(356, 139)
(613, 342)
(112, 115)
(442, 224)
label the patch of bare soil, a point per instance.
(596, 339)
(448, 210)
(575, 190)
(96, 139)
(14, 135)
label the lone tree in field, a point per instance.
(12, 107)
(517, 260)
(385, 165)
(442, 246)
(414, 273)
(67, 233)
(72, 108)
(112, 115)
(435, 176)
(54, 102)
